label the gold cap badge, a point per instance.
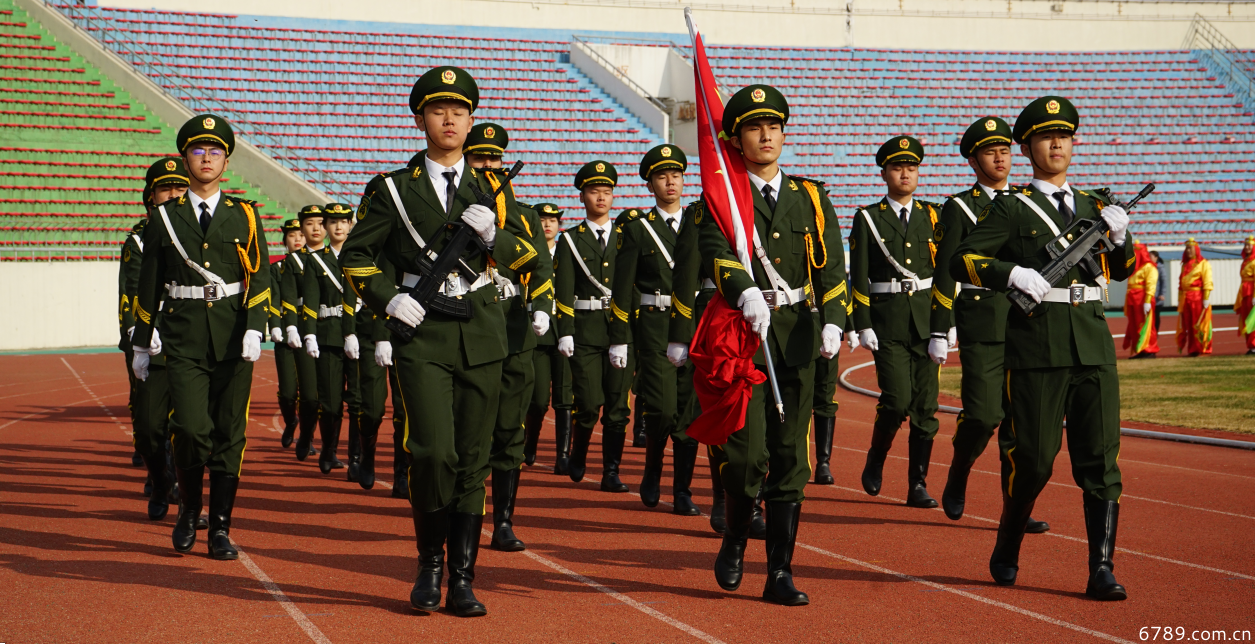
(758, 95)
(170, 166)
(448, 77)
(990, 125)
(1052, 107)
(208, 123)
(549, 208)
(489, 133)
(315, 209)
(904, 144)
(666, 152)
(600, 167)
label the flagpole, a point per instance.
(741, 237)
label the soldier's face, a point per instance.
(597, 200)
(550, 225)
(293, 240)
(162, 194)
(312, 229)
(760, 140)
(446, 123)
(205, 162)
(483, 160)
(901, 178)
(1050, 152)
(338, 228)
(992, 162)
(667, 186)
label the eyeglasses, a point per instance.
(214, 153)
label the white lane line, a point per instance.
(277, 593)
(1188, 469)
(96, 398)
(1056, 535)
(49, 410)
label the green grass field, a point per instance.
(1211, 392)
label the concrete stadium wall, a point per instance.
(67, 304)
(995, 25)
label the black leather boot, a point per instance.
(287, 408)
(954, 496)
(684, 458)
(611, 456)
(580, 438)
(718, 518)
(307, 420)
(172, 479)
(222, 488)
(531, 435)
(655, 452)
(1036, 527)
(158, 500)
(729, 564)
(355, 448)
(191, 484)
(824, 428)
(1101, 520)
(505, 489)
(148, 486)
(430, 531)
(366, 466)
(137, 460)
(400, 468)
(329, 431)
(758, 525)
(917, 496)
(1004, 563)
(782, 519)
(873, 470)
(463, 551)
(562, 436)
(639, 435)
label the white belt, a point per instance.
(454, 285)
(325, 311)
(656, 300)
(777, 299)
(973, 287)
(593, 304)
(505, 287)
(904, 286)
(708, 283)
(1074, 294)
(208, 292)
(300, 301)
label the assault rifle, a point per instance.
(436, 269)
(1081, 243)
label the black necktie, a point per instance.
(674, 225)
(771, 201)
(204, 217)
(451, 186)
(1064, 210)
(601, 238)
(903, 219)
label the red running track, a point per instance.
(326, 561)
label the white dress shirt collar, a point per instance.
(992, 192)
(669, 217)
(1049, 189)
(774, 183)
(212, 202)
(435, 173)
(897, 207)
(594, 228)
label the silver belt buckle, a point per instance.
(605, 302)
(211, 293)
(1076, 294)
(908, 286)
(772, 298)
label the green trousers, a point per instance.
(329, 367)
(306, 384)
(770, 454)
(552, 381)
(352, 387)
(131, 380)
(599, 388)
(285, 368)
(518, 375)
(210, 402)
(659, 389)
(825, 398)
(372, 385)
(449, 411)
(1038, 401)
(982, 393)
(908, 381)
(151, 428)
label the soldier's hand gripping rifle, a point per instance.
(433, 271)
(1081, 243)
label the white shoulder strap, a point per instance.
(297, 258)
(405, 217)
(1044, 217)
(885, 249)
(966, 210)
(773, 276)
(174, 239)
(326, 270)
(658, 241)
(587, 273)
(139, 241)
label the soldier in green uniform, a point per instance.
(166, 179)
(292, 283)
(978, 314)
(553, 373)
(797, 240)
(644, 264)
(449, 371)
(1060, 359)
(484, 148)
(891, 274)
(285, 360)
(825, 409)
(328, 328)
(370, 373)
(583, 268)
(208, 266)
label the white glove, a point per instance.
(130, 332)
(154, 345)
(755, 311)
(139, 363)
(618, 356)
(251, 350)
(677, 353)
(383, 353)
(540, 323)
(352, 350)
(937, 349)
(1145, 308)
(294, 338)
(406, 309)
(276, 335)
(1029, 282)
(481, 220)
(831, 336)
(952, 338)
(852, 340)
(311, 346)
(867, 338)
(1118, 220)
(1206, 305)
(566, 345)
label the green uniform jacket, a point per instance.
(319, 290)
(380, 231)
(275, 306)
(978, 316)
(292, 276)
(535, 287)
(893, 315)
(784, 236)
(128, 282)
(1010, 234)
(687, 278)
(571, 284)
(198, 329)
(640, 267)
